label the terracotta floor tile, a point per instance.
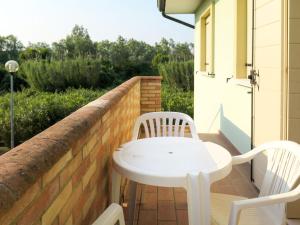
(147, 217)
(180, 200)
(166, 211)
(182, 217)
(149, 200)
(167, 223)
(165, 194)
(150, 189)
(179, 190)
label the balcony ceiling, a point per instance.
(179, 6)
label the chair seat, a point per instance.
(221, 206)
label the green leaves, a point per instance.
(35, 111)
(177, 100)
(178, 74)
(59, 75)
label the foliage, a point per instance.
(19, 81)
(178, 74)
(78, 62)
(177, 100)
(128, 57)
(10, 47)
(77, 44)
(59, 75)
(124, 57)
(169, 51)
(36, 51)
(36, 111)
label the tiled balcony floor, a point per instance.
(167, 206)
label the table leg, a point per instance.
(116, 185)
(198, 197)
(132, 201)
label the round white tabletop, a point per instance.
(166, 161)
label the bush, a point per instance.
(36, 111)
(177, 100)
(178, 74)
(59, 75)
(19, 81)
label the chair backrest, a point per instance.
(283, 171)
(111, 216)
(162, 124)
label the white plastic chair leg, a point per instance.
(116, 185)
(198, 197)
(132, 201)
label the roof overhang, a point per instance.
(178, 6)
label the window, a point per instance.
(206, 48)
(207, 43)
(240, 48)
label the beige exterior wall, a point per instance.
(269, 94)
(226, 106)
(216, 100)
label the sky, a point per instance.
(51, 20)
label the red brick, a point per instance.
(67, 209)
(79, 173)
(41, 204)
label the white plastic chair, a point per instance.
(159, 124)
(283, 171)
(112, 215)
(162, 124)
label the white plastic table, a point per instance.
(174, 162)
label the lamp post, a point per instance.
(12, 67)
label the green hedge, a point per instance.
(36, 111)
(177, 100)
(59, 75)
(178, 74)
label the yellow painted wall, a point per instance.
(221, 105)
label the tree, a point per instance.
(76, 44)
(36, 51)
(10, 47)
(79, 43)
(169, 51)
(59, 50)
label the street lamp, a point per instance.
(12, 67)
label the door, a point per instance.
(268, 93)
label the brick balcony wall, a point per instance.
(150, 95)
(62, 175)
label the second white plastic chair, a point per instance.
(283, 170)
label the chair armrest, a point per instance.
(239, 159)
(254, 152)
(111, 216)
(237, 206)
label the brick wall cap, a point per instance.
(151, 77)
